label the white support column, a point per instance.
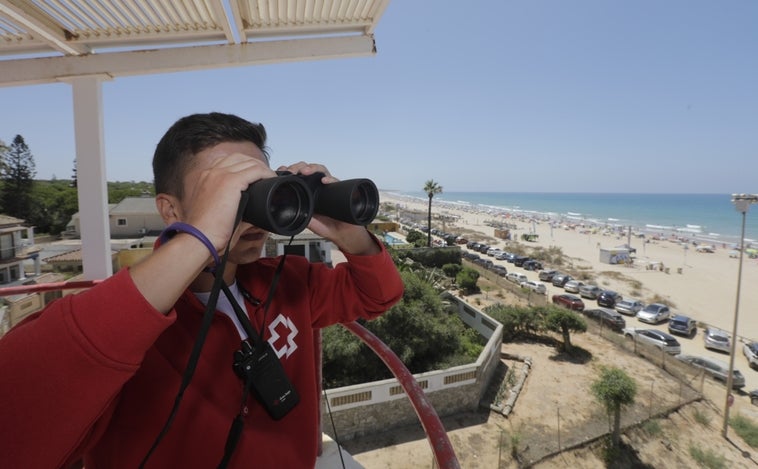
(91, 176)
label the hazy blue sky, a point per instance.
(499, 95)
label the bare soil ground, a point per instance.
(556, 423)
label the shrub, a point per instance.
(707, 458)
(652, 427)
(746, 429)
(451, 270)
(702, 418)
(466, 280)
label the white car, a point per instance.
(573, 286)
(516, 277)
(590, 291)
(654, 337)
(716, 339)
(629, 306)
(751, 353)
(537, 287)
(654, 313)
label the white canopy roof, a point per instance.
(83, 42)
(128, 37)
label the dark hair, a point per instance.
(192, 134)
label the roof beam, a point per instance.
(40, 26)
(56, 69)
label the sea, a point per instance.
(705, 218)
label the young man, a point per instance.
(94, 376)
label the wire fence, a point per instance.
(662, 390)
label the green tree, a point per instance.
(431, 188)
(615, 389)
(565, 322)
(414, 236)
(423, 333)
(118, 191)
(466, 280)
(17, 175)
(53, 204)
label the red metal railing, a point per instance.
(444, 453)
(435, 432)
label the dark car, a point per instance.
(682, 325)
(518, 261)
(532, 264)
(500, 270)
(754, 397)
(607, 317)
(608, 298)
(572, 302)
(547, 275)
(559, 279)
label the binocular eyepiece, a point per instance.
(285, 204)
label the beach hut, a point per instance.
(615, 256)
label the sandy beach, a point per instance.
(706, 288)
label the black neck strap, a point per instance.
(189, 371)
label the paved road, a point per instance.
(690, 346)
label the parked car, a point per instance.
(683, 325)
(502, 255)
(607, 318)
(510, 257)
(750, 350)
(654, 313)
(589, 291)
(656, 338)
(547, 275)
(532, 264)
(492, 252)
(608, 298)
(560, 279)
(500, 270)
(716, 339)
(754, 396)
(518, 261)
(569, 301)
(537, 287)
(717, 369)
(629, 306)
(573, 286)
(516, 277)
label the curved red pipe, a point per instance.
(435, 432)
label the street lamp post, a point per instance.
(741, 202)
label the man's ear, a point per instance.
(168, 207)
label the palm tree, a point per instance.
(431, 188)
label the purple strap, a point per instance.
(182, 227)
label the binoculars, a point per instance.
(285, 204)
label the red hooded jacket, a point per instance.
(94, 375)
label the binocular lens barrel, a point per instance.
(353, 201)
(281, 205)
(285, 204)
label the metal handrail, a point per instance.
(444, 453)
(435, 431)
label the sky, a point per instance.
(643, 96)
